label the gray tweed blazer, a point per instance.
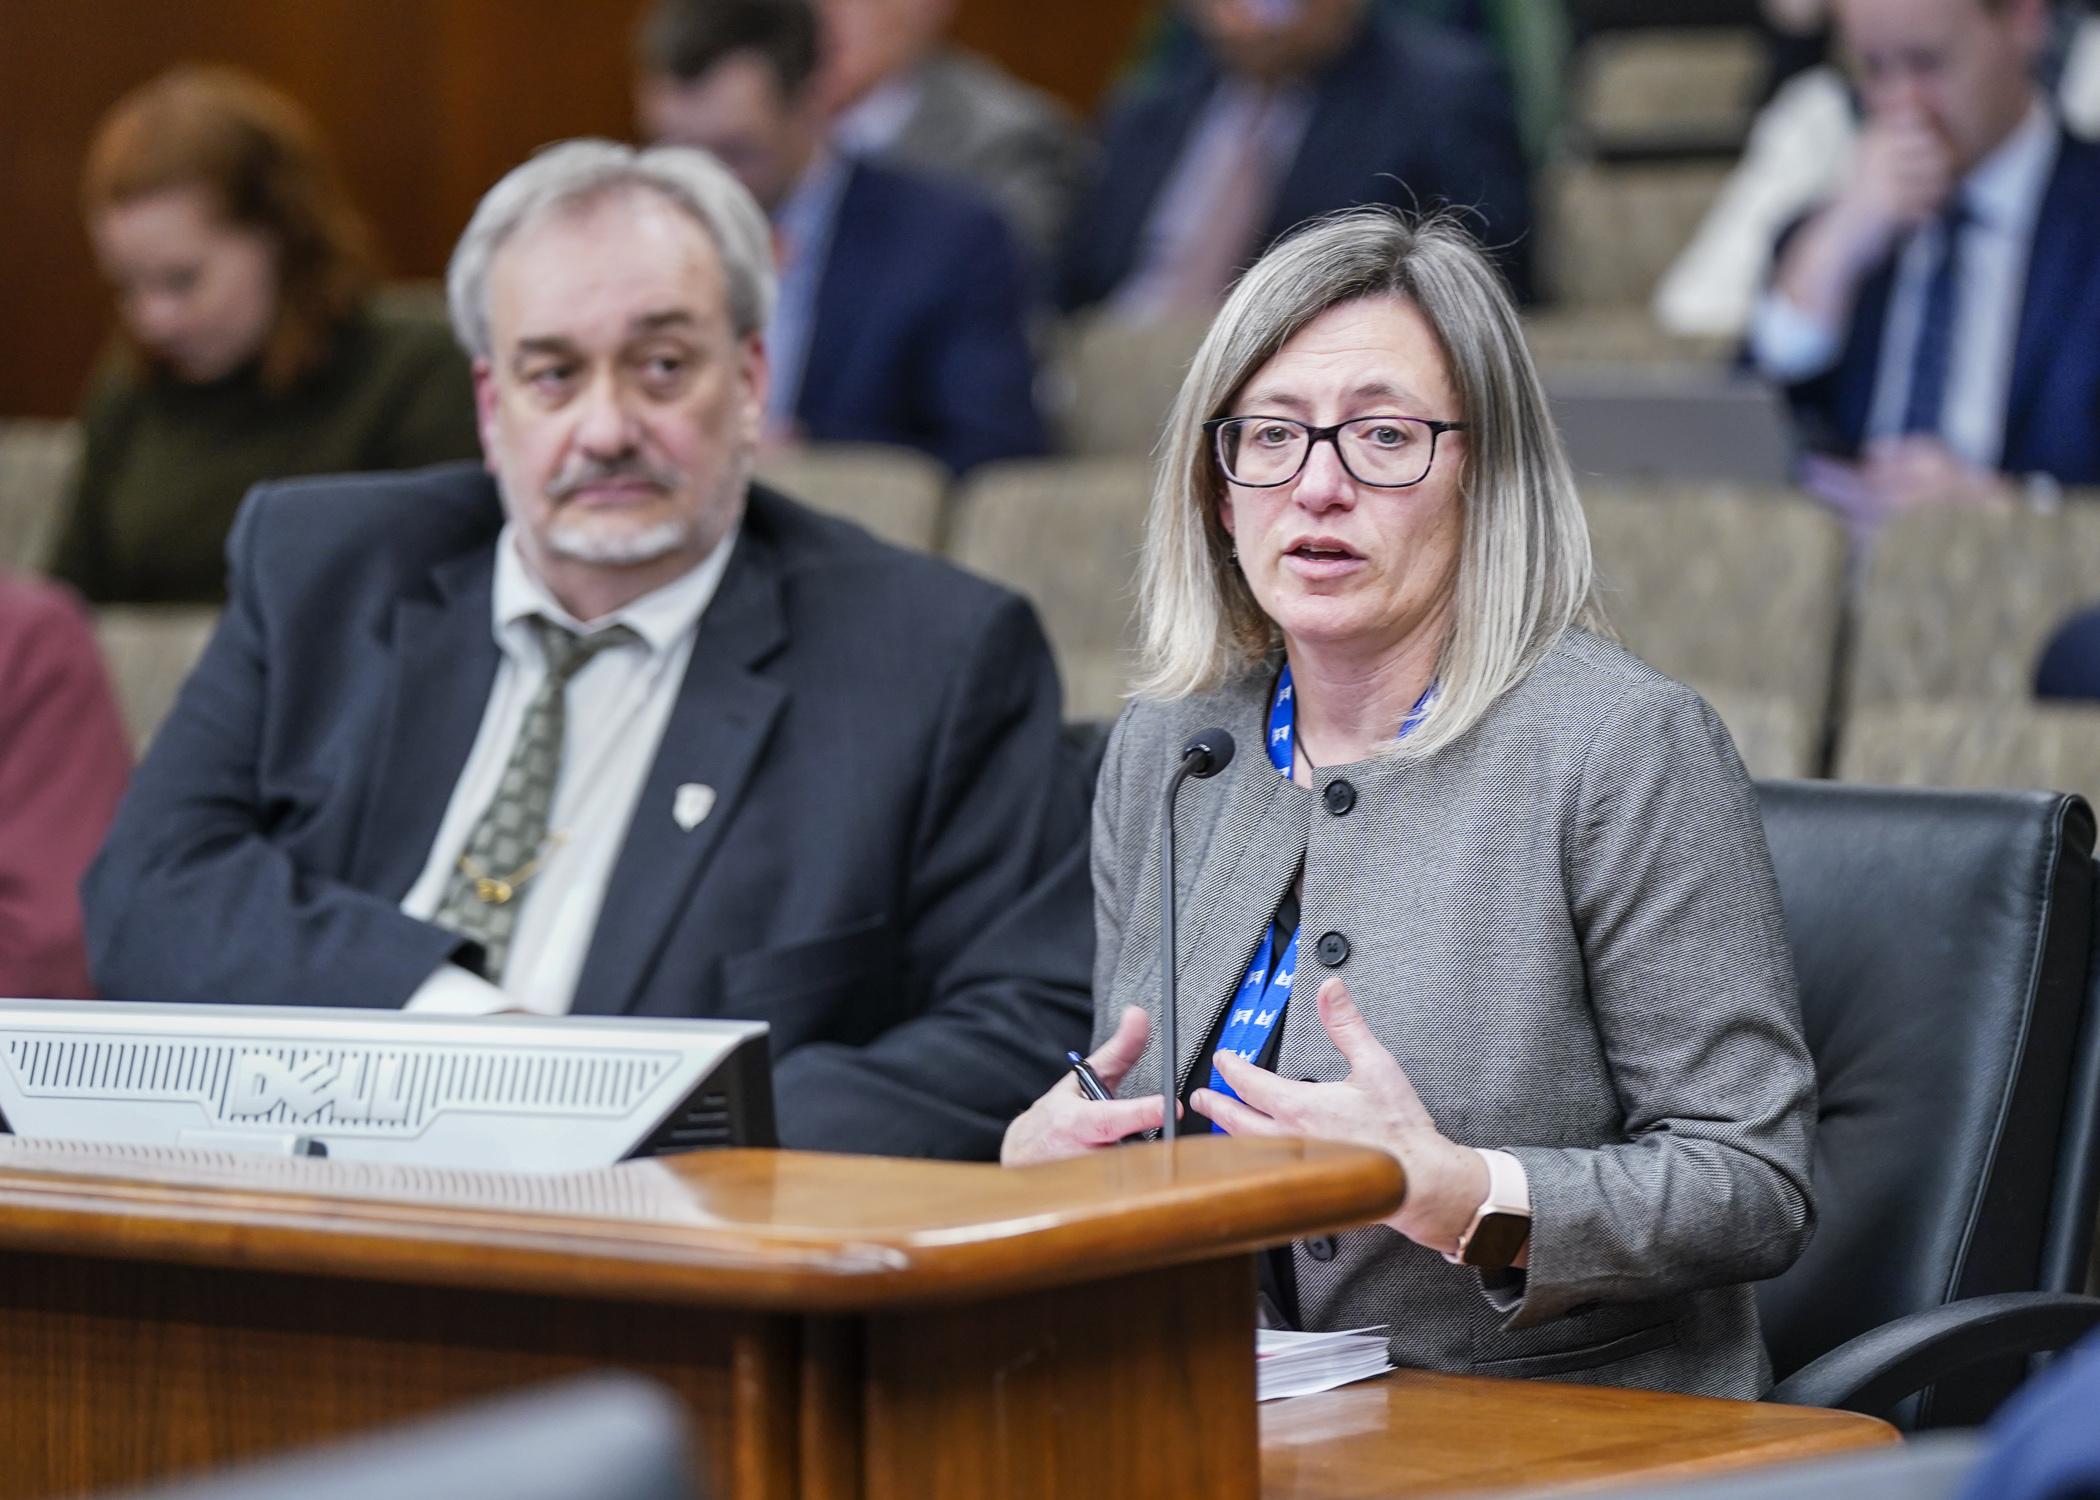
(1566, 928)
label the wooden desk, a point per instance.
(1411, 1433)
(842, 1328)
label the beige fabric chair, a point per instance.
(1109, 386)
(1590, 336)
(1065, 533)
(1675, 88)
(1975, 742)
(1733, 590)
(149, 649)
(1609, 231)
(37, 457)
(1959, 604)
(897, 493)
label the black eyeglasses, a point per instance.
(1387, 453)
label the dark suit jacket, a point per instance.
(921, 328)
(1409, 114)
(893, 874)
(2052, 419)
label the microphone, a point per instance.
(1206, 754)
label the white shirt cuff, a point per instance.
(452, 991)
(1787, 344)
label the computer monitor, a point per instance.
(513, 1093)
(1672, 421)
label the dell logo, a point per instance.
(358, 1088)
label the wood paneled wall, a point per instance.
(425, 103)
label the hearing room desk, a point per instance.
(842, 1328)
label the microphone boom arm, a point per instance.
(1204, 756)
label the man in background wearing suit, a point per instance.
(903, 303)
(899, 97)
(608, 729)
(1264, 113)
(1938, 321)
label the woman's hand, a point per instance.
(1064, 1122)
(1374, 1106)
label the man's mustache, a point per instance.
(623, 466)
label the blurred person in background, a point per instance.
(1265, 113)
(1799, 149)
(63, 764)
(903, 305)
(249, 346)
(1938, 321)
(900, 96)
(1533, 38)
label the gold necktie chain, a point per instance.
(497, 890)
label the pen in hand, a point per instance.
(1090, 1083)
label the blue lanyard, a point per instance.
(1258, 1004)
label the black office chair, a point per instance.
(597, 1437)
(1945, 947)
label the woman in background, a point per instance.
(249, 348)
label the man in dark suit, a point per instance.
(1938, 321)
(594, 732)
(903, 304)
(1262, 115)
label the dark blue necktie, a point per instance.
(1928, 364)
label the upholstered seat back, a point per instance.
(1942, 942)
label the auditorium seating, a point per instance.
(1109, 386)
(897, 493)
(1955, 610)
(1945, 947)
(149, 649)
(1065, 534)
(1958, 604)
(1660, 91)
(36, 464)
(1973, 742)
(1734, 591)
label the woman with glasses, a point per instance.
(1481, 889)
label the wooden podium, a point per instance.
(842, 1328)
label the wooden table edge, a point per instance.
(637, 1260)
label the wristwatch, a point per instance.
(1502, 1224)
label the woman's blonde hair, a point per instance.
(1524, 571)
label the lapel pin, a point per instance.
(690, 807)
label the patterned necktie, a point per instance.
(510, 842)
(1935, 346)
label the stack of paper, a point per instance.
(1289, 1363)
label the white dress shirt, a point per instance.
(873, 124)
(618, 705)
(2003, 196)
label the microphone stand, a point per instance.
(1203, 757)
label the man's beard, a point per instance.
(604, 539)
(583, 540)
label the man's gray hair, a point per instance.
(1524, 571)
(573, 174)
